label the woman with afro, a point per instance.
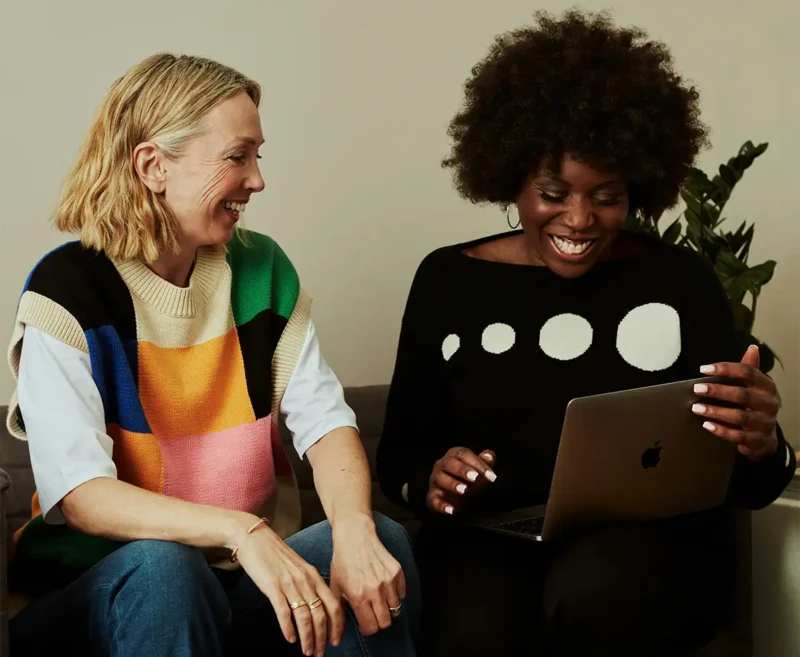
(570, 125)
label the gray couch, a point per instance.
(368, 403)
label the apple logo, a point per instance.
(652, 456)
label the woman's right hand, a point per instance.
(285, 578)
(458, 473)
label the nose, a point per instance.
(579, 216)
(254, 181)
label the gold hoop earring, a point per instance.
(508, 218)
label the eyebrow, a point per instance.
(246, 140)
(606, 183)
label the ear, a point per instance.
(148, 162)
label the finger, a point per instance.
(751, 398)
(437, 503)
(380, 609)
(752, 356)
(332, 600)
(465, 464)
(737, 417)
(394, 585)
(309, 582)
(365, 614)
(282, 613)
(489, 456)
(449, 483)
(733, 435)
(746, 374)
(302, 616)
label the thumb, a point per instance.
(489, 456)
(751, 356)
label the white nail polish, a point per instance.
(699, 409)
(448, 510)
(461, 489)
(709, 427)
(701, 388)
(491, 476)
(488, 457)
(472, 475)
(708, 369)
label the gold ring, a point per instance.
(395, 611)
(298, 604)
(314, 603)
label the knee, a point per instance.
(178, 571)
(394, 537)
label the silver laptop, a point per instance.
(631, 455)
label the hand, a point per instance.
(284, 577)
(366, 575)
(753, 425)
(454, 475)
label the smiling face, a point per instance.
(208, 187)
(571, 215)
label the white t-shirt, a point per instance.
(65, 419)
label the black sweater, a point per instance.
(490, 354)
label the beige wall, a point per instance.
(358, 94)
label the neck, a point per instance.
(175, 268)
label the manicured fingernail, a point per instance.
(699, 409)
(491, 476)
(701, 388)
(448, 510)
(461, 489)
(708, 369)
(708, 426)
(472, 475)
(488, 457)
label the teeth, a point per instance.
(238, 208)
(570, 247)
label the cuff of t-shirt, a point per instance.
(317, 432)
(768, 478)
(51, 494)
(417, 487)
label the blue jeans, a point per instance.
(159, 598)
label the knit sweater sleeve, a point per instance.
(708, 337)
(417, 423)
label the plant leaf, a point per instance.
(755, 277)
(672, 233)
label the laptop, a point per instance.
(632, 455)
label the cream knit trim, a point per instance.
(49, 317)
(291, 342)
(171, 299)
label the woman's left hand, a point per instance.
(753, 425)
(366, 575)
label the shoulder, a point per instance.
(62, 268)
(250, 250)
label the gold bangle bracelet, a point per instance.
(235, 552)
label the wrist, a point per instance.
(235, 528)
(346, 526)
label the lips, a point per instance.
(571, 248)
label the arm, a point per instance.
(759, 475)
(417, 421)
(324, 428)
(77, 483)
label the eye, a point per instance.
(239, 159)
(552, 198)
(608, 201)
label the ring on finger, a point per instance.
(314, 603)
(298, 604)
(395, 611)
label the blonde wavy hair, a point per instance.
(161, 100)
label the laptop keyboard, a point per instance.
(530, 526)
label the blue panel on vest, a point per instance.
(115, 371)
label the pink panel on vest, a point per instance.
(233, 468)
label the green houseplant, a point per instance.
(698, 228)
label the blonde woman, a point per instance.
(153, 359)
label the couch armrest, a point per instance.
(5, 482)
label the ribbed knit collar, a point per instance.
(171, 299)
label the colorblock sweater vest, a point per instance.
(190, 378)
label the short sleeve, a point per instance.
(64, 419)
(313, 404)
